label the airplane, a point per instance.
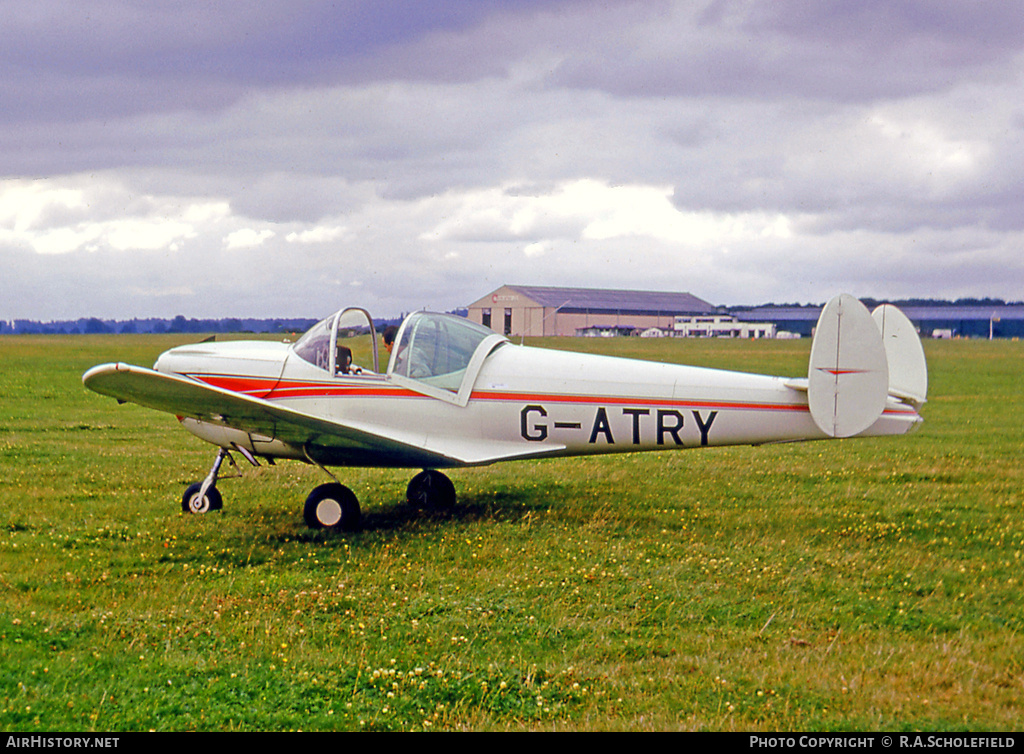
(455, 394)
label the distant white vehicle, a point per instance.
(454, 394)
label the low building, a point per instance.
(721, 326)
(539, 311)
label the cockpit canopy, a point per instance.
(437, 348)
(435, 354)
(339, 342)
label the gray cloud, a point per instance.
(227, 159)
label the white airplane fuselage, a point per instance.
(547, 403)
(455, 393)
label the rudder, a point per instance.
(848, 374)
(908, 370)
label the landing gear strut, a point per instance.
(331, 506)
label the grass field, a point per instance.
(853, 585)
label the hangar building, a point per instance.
(539, 310)
(994, 319)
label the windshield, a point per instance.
(315, 345)
(345, 343)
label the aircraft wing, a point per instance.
(331, 440)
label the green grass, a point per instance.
(866, 584)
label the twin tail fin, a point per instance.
(859, 361)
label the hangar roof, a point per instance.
(597, 299)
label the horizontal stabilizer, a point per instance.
(848, 375)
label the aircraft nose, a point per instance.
(165, 361)
(178, 359)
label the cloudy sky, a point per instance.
(286, 158)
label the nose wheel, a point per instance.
(196, 501)
(203, 497)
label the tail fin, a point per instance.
(908, 370)
(848, 375)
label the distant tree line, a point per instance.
(179, 324)
(870, 303)
(976, 327)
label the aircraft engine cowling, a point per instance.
(230, 438)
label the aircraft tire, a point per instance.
(431, 490)
(332, 506)
(192, 503)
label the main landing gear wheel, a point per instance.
(431, 490)
(193, 501)
(332, 506)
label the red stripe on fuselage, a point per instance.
(253, 386)
(271, 389)
(632, 401)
